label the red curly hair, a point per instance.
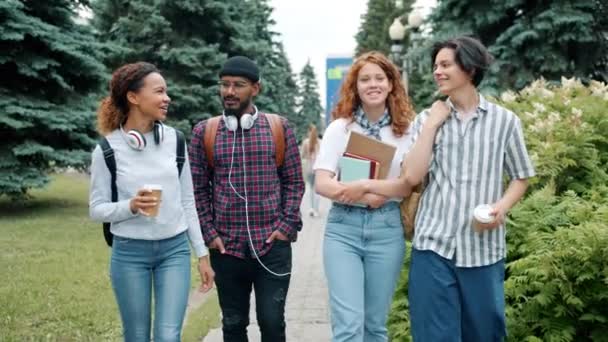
(399, 106)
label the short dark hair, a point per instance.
(470, 54)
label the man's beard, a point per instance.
(240, 110)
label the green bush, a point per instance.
(399, 317)
(557, 270)
(556, 286)
(566, 132)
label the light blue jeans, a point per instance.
(314, 198)
(363, 254)
(139, 268)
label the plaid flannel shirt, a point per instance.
(273, 194)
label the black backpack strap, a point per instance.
(108, 157)
(180, 151)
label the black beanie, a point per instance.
(241, 66)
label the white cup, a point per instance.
(482, 214)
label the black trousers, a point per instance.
(236, 277)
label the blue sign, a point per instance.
(336, 69)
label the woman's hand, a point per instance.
(206, 273)
(374, 201)
(142, 201)
(353, 191)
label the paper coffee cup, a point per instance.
(482, 214)
(156, 191)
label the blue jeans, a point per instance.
(139, 268)
(455, 304)
(363, 254)
(314, 198)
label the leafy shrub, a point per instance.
(557, 285)
(566, 131)
(399, 317)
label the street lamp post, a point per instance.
(414, 21)
(397, 32)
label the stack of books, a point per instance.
(355, 167)
(365, 158)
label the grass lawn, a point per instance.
(201, 320)
(54, 268)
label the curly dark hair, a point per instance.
(399, 106)
(113, 109)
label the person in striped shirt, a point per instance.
(456, 280)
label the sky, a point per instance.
(313, 29)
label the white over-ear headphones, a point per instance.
(246, 121)
(137, 141)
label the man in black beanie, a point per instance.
(248, 186)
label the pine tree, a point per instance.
(530, 39)
(182, 38)
(309, 103)
(373, 32)
(49, 65)
(279, 88)
(189, 41)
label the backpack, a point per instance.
(409, 208)
(409, 205)
(276, 127)
(108, 156)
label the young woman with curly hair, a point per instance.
(363, 248)
(150, 251)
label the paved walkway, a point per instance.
(307, 313)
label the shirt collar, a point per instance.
(482, 106)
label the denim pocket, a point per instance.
(393, 219)
(282, 242)
(336, 215)
(121, 240)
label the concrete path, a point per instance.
(307, 311)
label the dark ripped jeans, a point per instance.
(235, 278)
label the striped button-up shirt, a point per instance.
(470, 159)
(245, 167)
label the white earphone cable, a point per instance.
(230, 172)
(244, 198)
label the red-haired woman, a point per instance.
(364, 247)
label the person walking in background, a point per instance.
(456, 280)
(150, 252)
(249, 203)
(309, 152)
(363, 248)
